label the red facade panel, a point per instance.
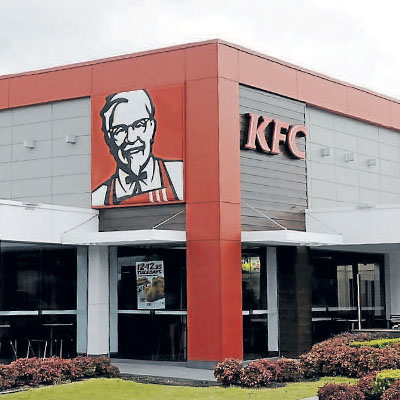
(151, 71)
(368, 107)
(201, 62)
(202, 141)
(228, 63)
(4, 93)
(204, 300)
(321, 92)
(50, 86)
(268, 75)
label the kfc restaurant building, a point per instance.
(194, 203)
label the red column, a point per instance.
(212, 179)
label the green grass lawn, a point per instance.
(118, 389)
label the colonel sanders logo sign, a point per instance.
(130, 129)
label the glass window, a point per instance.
(36, 280)
(152, 303)
(254, 303)
(335, 288)
(172, 277)
(35, 277)
(254, 281)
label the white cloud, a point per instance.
(355, 40)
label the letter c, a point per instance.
(295, 130)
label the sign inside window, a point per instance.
(251, 264)
(150, 285)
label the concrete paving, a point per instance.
(169, 370)
(164, 369)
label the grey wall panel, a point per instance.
(144, 217)
(275, 185)
(5, 190)
(78, 126)
(5, 154)
(32, 114)
(31, 169)
(5, 172)
(62, 148)
(71, 109)
(72, 199)
(5, 136)
(34, 131)
(42, 149)
(71, 165)
(5, 118)
(53, 172)
(63, 184)
(333, 182)
(34, 199)
(31, 187)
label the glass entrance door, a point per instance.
(343, 283)
(254, 304)
(151, 313)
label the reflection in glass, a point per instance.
(254, 304)
(34, 277)
(254, 282)
(334, 292)
(38, 293)
(157, 333)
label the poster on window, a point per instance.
(251, 264)
(150, 285)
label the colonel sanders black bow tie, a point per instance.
(136, 179)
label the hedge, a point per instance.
(335, 357)
(257, 373)
(378, 343)
(49, 371)
(384, 381)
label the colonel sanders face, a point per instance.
(129, 127)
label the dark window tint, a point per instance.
(174, 262)
(34, 278)
(254, 281)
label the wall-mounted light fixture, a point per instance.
(371, 162)
(29, 144)
(70, 139)
(325, 152)
(349, 157)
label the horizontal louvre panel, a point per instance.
(143, 217)
(273, 184)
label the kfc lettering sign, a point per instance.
(266, 134)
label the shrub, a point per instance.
(384, 380)
(365, 385)
(393, 393)
(258, 373)
(52, 371)
(335, 357)
(28, 371)
(327, 357)
(378, 343)
(104, 368)
(228, 372)
(85, 364)
(35, 371)
(288, 370)
(342, 391)
(8, 376)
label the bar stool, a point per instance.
(39, 342)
